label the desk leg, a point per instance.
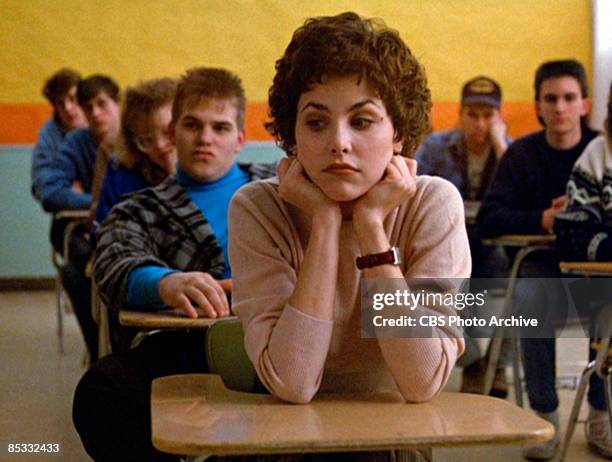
(59, 294)
(498, 335)
(573, 420)
(608, 390)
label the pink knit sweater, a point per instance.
(295, 354)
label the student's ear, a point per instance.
(587, 105)
(398, 145)
(537, 108)
(241, 141)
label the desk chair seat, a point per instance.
(226, 356)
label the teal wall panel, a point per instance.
(24, 226)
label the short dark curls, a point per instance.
(59, 84)
(346, 45)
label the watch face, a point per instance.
(397, 259)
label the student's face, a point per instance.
(207, 138)
(344, 137)
(69, 112)
(561, 105)
(476, 121)
(102, 113)
(154, 137)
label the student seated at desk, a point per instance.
(349, 103)
(584, 233)
(61, 91)
(584, 230)
(98, 96)
(145, 153)
(524, 198)
(467, 157)
(166, 246)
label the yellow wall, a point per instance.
(139, 39)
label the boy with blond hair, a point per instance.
(166, 247)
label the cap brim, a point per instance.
(488, 100)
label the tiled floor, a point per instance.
(36, 384)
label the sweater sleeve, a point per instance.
(46, 149)
(124, 242)
(287, 347)
(57, 192)
(505, 209)
(143, 288)
(440, 251)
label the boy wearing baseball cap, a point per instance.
(468, 157)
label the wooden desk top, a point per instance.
(73, 214)
(523, 240)
(587, 268)
(196, 414)
(166, 319)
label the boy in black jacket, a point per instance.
(527, 194)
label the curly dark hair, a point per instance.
(93, 85)
(346, 45)
(60, 83)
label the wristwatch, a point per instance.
(390, 257)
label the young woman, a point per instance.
(349, 104)
(145, 156)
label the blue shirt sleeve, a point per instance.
(143, 288)
(61, 174)
(47, 147)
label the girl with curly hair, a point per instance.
(349, 104)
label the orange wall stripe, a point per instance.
(20, 123)
(519, 115)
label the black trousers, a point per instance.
(112, 402)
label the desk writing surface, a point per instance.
(73, 214)
(195, 415)
(166, 319)
(587, 268)
(523, 240)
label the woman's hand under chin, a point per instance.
(397, 185)
(296, 188)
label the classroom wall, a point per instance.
(25, 251)
(141, 39)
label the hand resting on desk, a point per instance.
(184, 290)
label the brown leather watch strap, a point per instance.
(390, 257)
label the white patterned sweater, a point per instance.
(584, 230)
